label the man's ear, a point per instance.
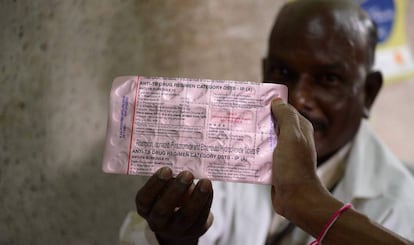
(373, 85)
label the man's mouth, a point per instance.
(318, 125)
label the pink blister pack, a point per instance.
(217, 129)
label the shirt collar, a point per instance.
(332, 170)
(360, 180)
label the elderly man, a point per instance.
(323, 50)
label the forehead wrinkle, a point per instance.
(315, 28)
(350, 26)
(340, 32)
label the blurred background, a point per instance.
(57, 62)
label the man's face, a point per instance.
(325, 71)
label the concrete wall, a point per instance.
(57, 61)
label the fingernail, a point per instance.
(277, 100)
(186, 177)
(204, 186)
(164, 173)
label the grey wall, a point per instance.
(57, 61)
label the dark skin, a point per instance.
(321, 55)
(158, 199)
(299, 196)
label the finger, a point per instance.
(205, 224)
(205, 219)
(187, 195)
(287, 120)
(165, 206)
(306, 126)
(148, 194)
(194, 214)
(307, 130)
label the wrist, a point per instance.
(310, 207)
(293, 198)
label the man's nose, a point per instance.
(301, 95)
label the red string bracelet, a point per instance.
(329, 224)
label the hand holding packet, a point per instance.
(217, 129)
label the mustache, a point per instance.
(318, 124)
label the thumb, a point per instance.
(286, 118)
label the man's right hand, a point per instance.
(176, 210)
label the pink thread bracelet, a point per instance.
(329, 224)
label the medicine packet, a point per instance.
(217, 129)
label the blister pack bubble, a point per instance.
(217, 129)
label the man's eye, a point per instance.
(284, 71)
(281, 72)
(330, 78)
